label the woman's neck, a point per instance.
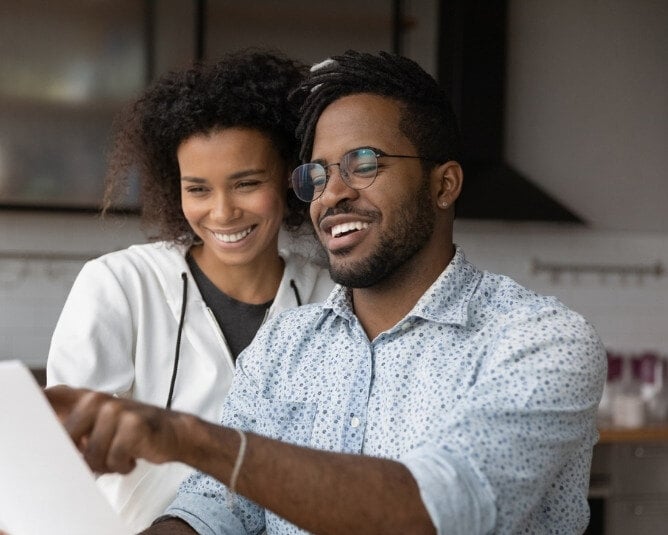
(253, 283)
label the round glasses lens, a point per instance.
(360, 164)
(308, 181)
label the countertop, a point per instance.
(650, 433)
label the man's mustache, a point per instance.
(346, 207)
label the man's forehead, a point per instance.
(372, 102)
(358, 120)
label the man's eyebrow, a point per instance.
(374, 149)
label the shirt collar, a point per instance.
(339, 302)
(445, 301)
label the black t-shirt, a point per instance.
(239, 321)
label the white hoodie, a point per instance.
(117, 334)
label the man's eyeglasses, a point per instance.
(358, 169)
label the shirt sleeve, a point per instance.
(525, 431)
(92, 344)
(453, 495)
(207, 506)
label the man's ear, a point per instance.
(448, 178)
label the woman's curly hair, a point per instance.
(248, 88)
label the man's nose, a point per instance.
(336, 189)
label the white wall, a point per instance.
(33, 291)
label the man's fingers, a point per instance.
(112, 433)
(82, 418)
(136, 437)
(147, 433)
(96, 446)
(63, 399)
(119, 436)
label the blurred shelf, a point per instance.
(15, 106)
(651, 433)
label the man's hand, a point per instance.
(62, 399)
(112, 433)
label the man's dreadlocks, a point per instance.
(427, 119)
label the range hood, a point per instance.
(472, 68)
(494, 190)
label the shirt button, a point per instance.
(355, 421)
(405, 326)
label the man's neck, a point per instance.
(381, 306)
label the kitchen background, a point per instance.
(564, 110)
(585, 122)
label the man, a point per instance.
(424, 396)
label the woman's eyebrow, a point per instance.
(233, 176)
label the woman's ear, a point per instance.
(448, 177)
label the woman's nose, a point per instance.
(224, 208)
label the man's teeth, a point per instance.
(231, 238)
(337, 230)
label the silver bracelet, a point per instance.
(240, 459)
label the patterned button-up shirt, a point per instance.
(486, 391)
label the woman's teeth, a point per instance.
(338, 230)
(231, 238)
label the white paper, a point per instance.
(45, 486)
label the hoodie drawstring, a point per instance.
(294, 289)
(184, 278)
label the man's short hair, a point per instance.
(427, 118)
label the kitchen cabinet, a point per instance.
(629, 482)
(67, 69)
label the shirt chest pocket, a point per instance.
(288, 421)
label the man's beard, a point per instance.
(410, 232)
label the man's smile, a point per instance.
(345, 228)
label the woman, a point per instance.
(164, 322)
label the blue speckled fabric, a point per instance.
(486, 391)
